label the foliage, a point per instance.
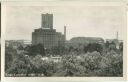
(33, 50)
(121, 47)
(58, 50)
(10, 55)
(20, 47)
(107, 44)
(95, 62)
(112, 46)
(93, 47)
(20, 65)
(112, 64)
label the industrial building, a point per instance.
(46, 35)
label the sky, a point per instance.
(81, 21)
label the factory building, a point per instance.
(46, 35)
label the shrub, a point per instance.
(33, 50)
(93, 47)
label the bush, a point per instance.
(93, 47)
(20, 65)
(33, 50)
(10, 55)
(58, 50)
(112, 64)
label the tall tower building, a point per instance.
(47, 21)
(46, 35)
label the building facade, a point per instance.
(46, 35)
(47, 21)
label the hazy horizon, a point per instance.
(81, 21)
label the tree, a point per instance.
(70, 66)
(93, 47)
(121, 47)
(58, 50)
(20, 47)
(107, 44)
(111, 64)
(34, 50)
(112, 46)
(10, 55)
(20, 65)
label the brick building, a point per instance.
(46, 35)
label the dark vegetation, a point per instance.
(93, 60)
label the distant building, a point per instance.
(17, 43)
(27, 42)
(115, 41)
(14, 43)
(84, 41)
(46, 35)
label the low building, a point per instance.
(16, 43)
(84, 41)
(115, 41)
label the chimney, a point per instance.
(65, 33)
(117, 35)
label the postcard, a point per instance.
(63, 41)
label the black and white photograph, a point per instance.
(64, 40)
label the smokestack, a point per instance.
(117, 35)
(65, 33)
